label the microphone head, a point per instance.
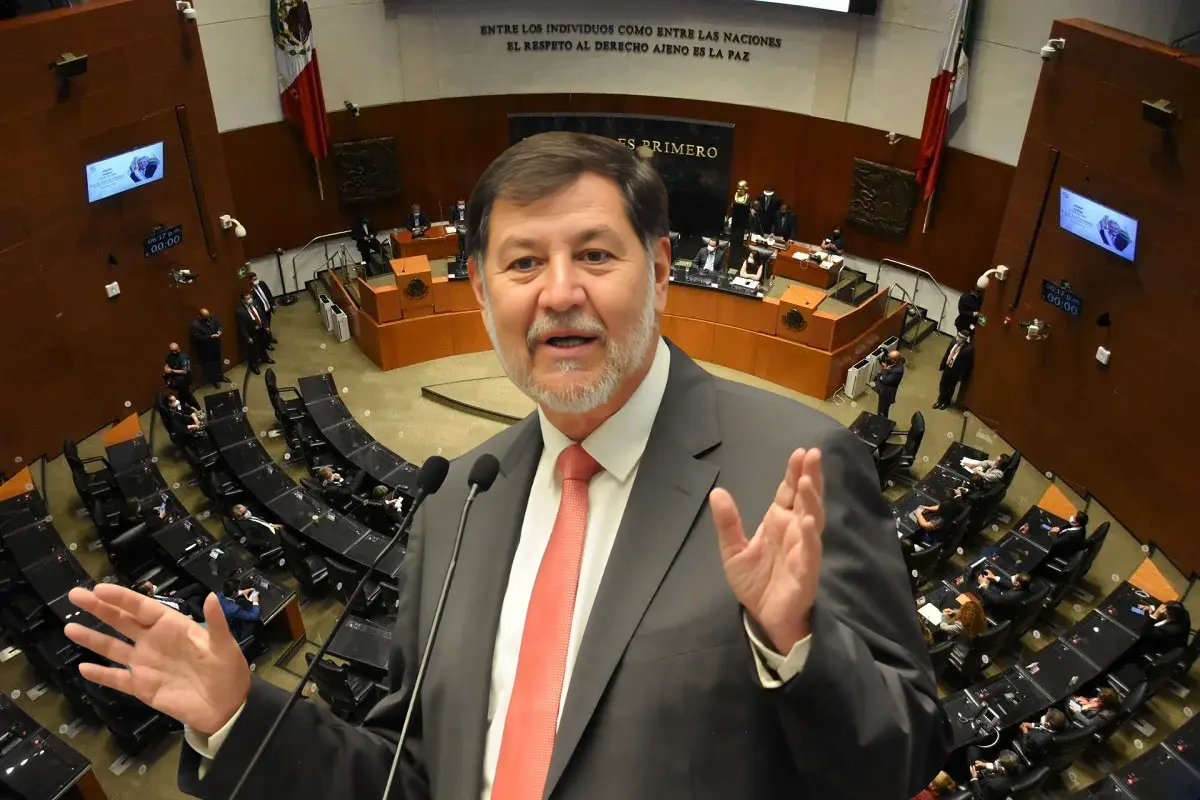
(483, 473)
(432, 475)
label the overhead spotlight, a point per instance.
(1036, 330)
(228, 222)
(1000, 272)
(1052, 47)
(353, 109)
(185, 8)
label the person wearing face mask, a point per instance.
(768, 209)
(1069, 540)
(783, 226)
(206, 342)
(264, 301)
(416, 222)
(458, 212)
(955, 366)
(1034, 737)
(887, 382)
(834, 243)
(186, 417)
(711, 257)
(252, 332)
(177, 374)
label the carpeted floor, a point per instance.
(392, 407)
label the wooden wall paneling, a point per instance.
(852, 324)
(692, 303)
(735, 348)
(696, 337)
(1103, 428)
(468, 334)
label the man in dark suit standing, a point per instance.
(887, 382)
(265, 302)
(252, 332)
(177, 374)
(969, 305)
(206, 341)
(416, 222)
(611, 632)
(768, 208)
(711, 257)
(458, 212)
(955, 366)
(784, 225)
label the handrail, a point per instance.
(322, 238)
(920, 272)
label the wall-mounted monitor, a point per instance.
(123, 172)
(852, 6)
(1099, 224)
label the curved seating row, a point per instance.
(37, 765)
(1170, 771)
(308, 516)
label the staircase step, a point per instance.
(862, 291)
(916, 333)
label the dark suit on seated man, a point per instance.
(1004, 598)
(934, 521)
(331, 485)
(242, 612)
(784, 225)
(260, 535)
(458, 213)
(1170, 628)
(416, 222)
(672, 657)
(711, 257)
(992, 780)
(1035, 737)
(1068, 541)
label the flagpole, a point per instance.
(320, 186)
(929, 210)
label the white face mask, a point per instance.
(461, 204)
(712, 247)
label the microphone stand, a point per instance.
(433, 629)
(295, 695)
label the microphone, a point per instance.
(483, 475)
(429, 480)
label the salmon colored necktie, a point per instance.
(532, 721)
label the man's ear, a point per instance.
(662, 272)
(476, 276)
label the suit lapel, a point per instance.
(668, 494)
(495, 529)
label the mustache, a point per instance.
(575, 320)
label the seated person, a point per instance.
(1034, 737)
(991, 780)
(260, 535)
(967, 620)
(834, 243)
(416, 222)
(458, 212)
(711, 257)
(1100, 709)
(241, 608)
(752, 268)
(1170, 628)
(784, 224)
(941, 786)
(383, 511)
(991, 470)
(183, 416)
(188, 601)
(1002, 597)
(974, 490)
(935, 521)
(147, 511)
(1069, 540)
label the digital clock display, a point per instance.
(1062, 298)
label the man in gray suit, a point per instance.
(611, 632)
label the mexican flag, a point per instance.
(946, 106)
(299, 77)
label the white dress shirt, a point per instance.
(617, 445)
(709, 266)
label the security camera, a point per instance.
(353, 109)
(893, 138)
(1000, 272)
(183, 277)
(185, 8)
(228, 222)
(1051, 47)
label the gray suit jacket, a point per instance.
(664, 701)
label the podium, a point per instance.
(414, 279)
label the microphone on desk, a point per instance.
(482, 476)
(429, 480)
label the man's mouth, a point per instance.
(567, 342)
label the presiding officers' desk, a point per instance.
(349, 439)
(789, 340)
(305, 515)
(440, 241)
(808, 264)
(36, 765)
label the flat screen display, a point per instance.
(123, 172)
(854, 6)
(1099, 224)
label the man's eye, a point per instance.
(596, 256)
(523, 264)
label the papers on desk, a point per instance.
(745, 283)
(835, 260)
(932, 613)
(912, 515)
(800, 255)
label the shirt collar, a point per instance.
(618, 444)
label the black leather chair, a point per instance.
(222, 488)
(984, 508)
(1190, 654)
(1095, 543)
(344, 579)
(1028, 614)
(288, 410)
(267, 550)
(92, 485)
(898, 457)
(311, 571)
(1010, 469)
(970, 662)
(1060, 569)
(1131, 704)
(349, 696)
(1029, 783)
(922, 565)
(1065, 748)
(955, 537)
(1063, 583)
(939, 655)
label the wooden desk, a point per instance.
(17, 485)
(87, 787)
(437, 243)
(803, 270)
(126, 430)
(1054, 501)
(289, 622)
(381, 298)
